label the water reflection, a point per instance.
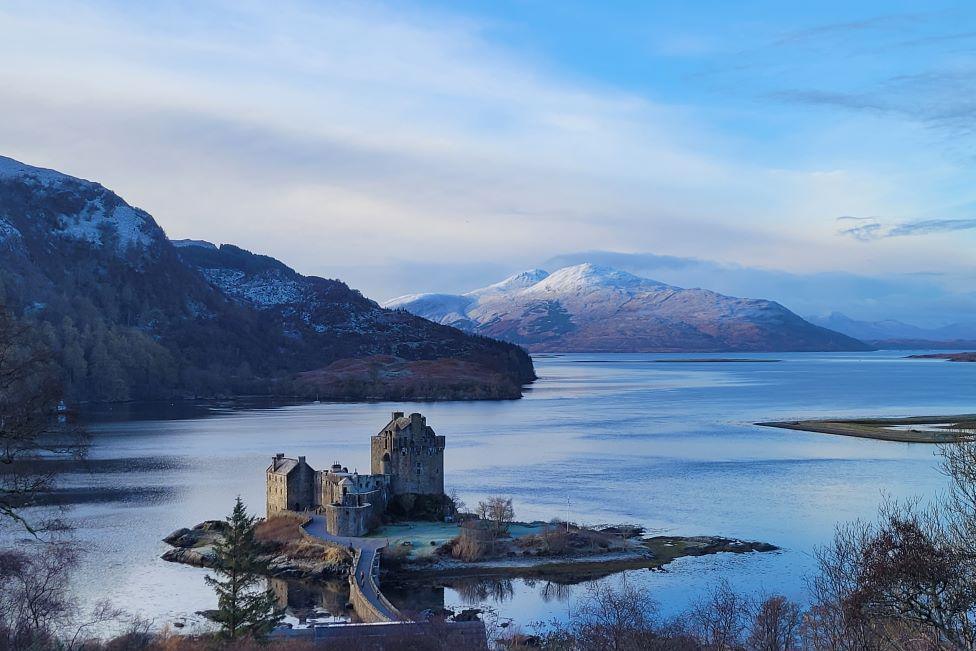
(451, 593)
(550, 591)
(320, 601)
(415, 597)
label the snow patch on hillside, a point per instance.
(573, 280)
(13, 168)
(102, 210)
(203, 244)
(512, 283)
(128, 223)
(440, 308)
(262, 290)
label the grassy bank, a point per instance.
(916, 429)
(574, 565)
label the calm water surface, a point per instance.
(602, 438)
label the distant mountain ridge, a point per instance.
(591, 308)
(132, 315)
(893, 330)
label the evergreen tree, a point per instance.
(242, 609)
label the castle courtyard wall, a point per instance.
(348, 520)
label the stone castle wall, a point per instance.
(276, 493)
(348, 520)
(329, 491)
(301, 487)
(413, 456)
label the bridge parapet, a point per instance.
(364, 590)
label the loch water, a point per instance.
(609, 438)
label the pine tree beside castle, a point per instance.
(242, 609)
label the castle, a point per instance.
(406, 464)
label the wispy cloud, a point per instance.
(940, 98)
(846, 28)
(863, 228)
(867, 229)
(933, 226)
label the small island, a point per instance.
(563, 552)
(952, 357)
(397, 523)
(914, 429)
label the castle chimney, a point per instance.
(280, 455)
(397, 414)
(416, 421)
(301, 460)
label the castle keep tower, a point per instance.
(411, 454)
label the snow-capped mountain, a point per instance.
(594, 308)
(133, 315)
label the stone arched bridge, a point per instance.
(364, 590)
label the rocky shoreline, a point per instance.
(296, 558)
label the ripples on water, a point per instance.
(625, 439)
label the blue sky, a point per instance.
(436, 146)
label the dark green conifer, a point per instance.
(243, 610)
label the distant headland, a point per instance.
(915, 429)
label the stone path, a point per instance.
(365, 573)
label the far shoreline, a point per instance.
(943, 429)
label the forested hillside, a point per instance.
(131, 316)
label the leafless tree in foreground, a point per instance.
(615, 620)
(38, 609)
(907, 581)
(776, 626)
(720, 620)
(32, 435)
